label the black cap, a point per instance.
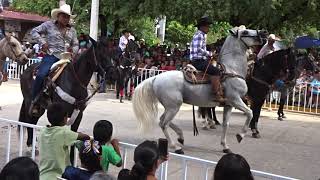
(203, 21)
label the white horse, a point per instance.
(171, 90)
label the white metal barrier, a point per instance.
(186, 161)
(14, 70)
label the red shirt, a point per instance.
(170, 68)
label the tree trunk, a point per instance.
(116, 27)
(103, 25)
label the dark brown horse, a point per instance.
(73, 81)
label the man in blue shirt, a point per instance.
(200, 57)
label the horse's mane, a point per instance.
(275, 55)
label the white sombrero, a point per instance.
(273, 37)
(66, 9)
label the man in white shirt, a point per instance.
(124, 40)
(268, 48)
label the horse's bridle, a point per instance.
(243, 36)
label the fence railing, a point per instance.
(185, 162)
(14, 70)
(304, 97)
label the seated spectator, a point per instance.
(102, 132)
(171, 66)
(20, 168)
(100, 175)
(54, 143)
(147, 160)
(90, 162)
(232, 167)
(162, 66)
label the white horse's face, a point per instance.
(249, 37)
(13, 50)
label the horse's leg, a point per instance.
(74, 127)
(226, 116)
(215, 116)
(131, 87)
(239, 104)
(178, 131)
(210, 118)
(117, 89)
(256, 109)
(165, 120)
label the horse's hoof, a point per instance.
(217, 123)
(213, 127)
(129, 98)
(205, 128)
(117, 97)
(121, 99)
(181, 141)
(283, 116)
(280, 118)
(256, 135)
(179, 151)
(227, 151)
(239, 138)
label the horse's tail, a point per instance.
(145, 105)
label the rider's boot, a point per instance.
(216, 89)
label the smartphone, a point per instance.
(163, 147)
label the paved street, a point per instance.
(289, 148)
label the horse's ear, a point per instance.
(233, 32)
(94, 42)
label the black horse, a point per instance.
(73, 81)
(126, 70)
(264, 74)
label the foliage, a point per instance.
(177, 33)
(143, 28)
(287, 18)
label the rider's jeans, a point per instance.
(43, 71)
(203, 65)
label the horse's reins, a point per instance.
(79, 102)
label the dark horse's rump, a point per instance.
(73, 80)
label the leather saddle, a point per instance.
(57, 68)
(192, 75)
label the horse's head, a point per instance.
(102, 55)
(249, 37)
(282, 63)
(12, 49)
(131, 51)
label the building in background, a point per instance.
(20, 23)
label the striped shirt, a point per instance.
(55, 39)
(198, 49)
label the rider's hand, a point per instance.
(45, 47)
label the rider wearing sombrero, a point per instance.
(55, 37)
(200, 57)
